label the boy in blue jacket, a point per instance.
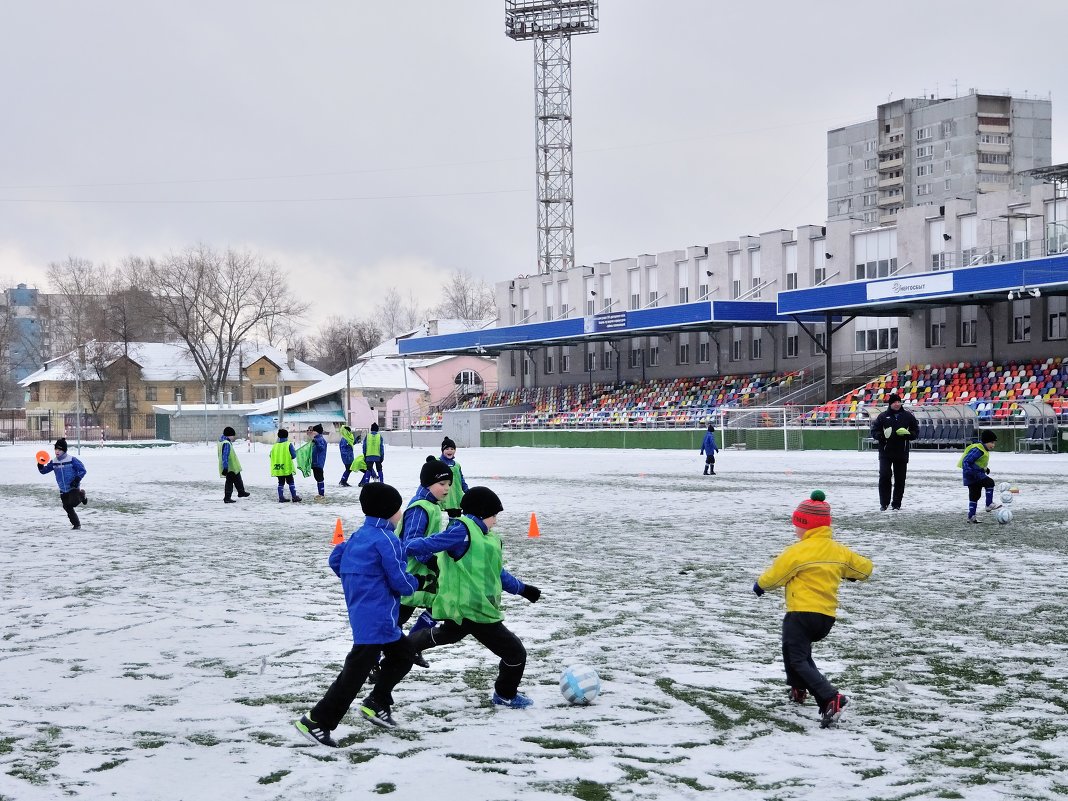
(374, 453)
(370, 565)
(708, 448)
(451, 502)
(230, 466)
(348, 439)
(318, 459)
(471, 576)
(282, 457)
(976, 474)
(69, 472)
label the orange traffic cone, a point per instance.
(534, 531)
(339, 533)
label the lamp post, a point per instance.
(76, 362)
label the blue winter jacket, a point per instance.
(346, 452)
(454, 541)
(319, 451)
(971, 472)
(708, 446)
(371, 567)
(227, 447)
(451, 463)
(68, 470)
(415, 517)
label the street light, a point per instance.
(77, 364)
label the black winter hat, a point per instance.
(229, 432)
(374, 426)
(318, 428)
(988, 436)
(481, 502)
(61, 444)
(380, 500)
(282, 433)
(433, 471)
(894, 398)
(448, 443)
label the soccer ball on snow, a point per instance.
(1003, 486)
(1006, 497)
(1004, 516)
(580, 684)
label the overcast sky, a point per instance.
(363, 145)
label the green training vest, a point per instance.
(470, 588)
(425, 596)
(456, 491)
(235, 463)
(374, 445)
(281, 459)
(982, 461)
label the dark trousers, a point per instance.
(404, 614)
(495, 636)
(318, 474)
(975, 491)
(233, 480)
(799, 631)
(895, 467)
(70, 500)
(395, 664)
(710, 463)
(374, 470)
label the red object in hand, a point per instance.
(43, 457)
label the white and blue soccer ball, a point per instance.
(580, 684)
(1004, 486)
(1006, 497)
(1004, 516)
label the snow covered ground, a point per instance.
(163, 651)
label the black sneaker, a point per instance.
(85, 501)
(883, 508)
(344, 484)
(377, 714)
(832, 710)
(310, 729)
(797, 695)
(229, 500)
(75, 527)
(283, 500)
(419, 660)
(297, 499)
(243, 494)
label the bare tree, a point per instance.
(10, 395)
(340, 341)
(465, 297)
(77, 313)
(214, 301)
(399, 314)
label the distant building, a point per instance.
(30, 339)
(927, 151)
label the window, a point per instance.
(650, 282)
(869, 146)
(875, 333)
(562, 293)
(262, 371)
(789, 257)
(591, 359)
(634, 357)
(869, 183)
(702, 277)
(924, 169)
(993, 139)
(924, 133)
(548, 361)
(550, 302)
(869, 199)
(819, 262)
(654, 355)
(511, 364)
(526, 364)
(150, 393)
(606, 292)
(703, 343)
(875, 254)
(923, 189)
(871, 216)
(792, 342)
(524, 304)
(756, 345)
(150, 421)
(264, 393)
(968, 323)
(936, 230)
(734, 269)
(925, 152)
(683, 272)
(818, 343)
(754, 268)
(702, 291)
(1056, 309)
(949, 185)
(634, 281)
(936, 328)
(587, 292)
(947, 129)
(969, 252)
(684, 349)
(565, 360)
(949, 148)
(736, 344)
(993, 158)
(178, 394)
(869, 164)
(606, 358)
(1021, 321)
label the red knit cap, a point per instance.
(814, 512)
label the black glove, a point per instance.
(531, 593)
(75, 484)
(757, 589)
(988, 471)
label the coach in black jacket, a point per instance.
(893, 430)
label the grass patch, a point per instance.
(272, 778)
(385, 787)
(114, 763)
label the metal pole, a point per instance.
(207, 441)
(78, 404)
(408, 403)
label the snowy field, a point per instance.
(163, 651)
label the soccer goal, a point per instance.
(760, 429)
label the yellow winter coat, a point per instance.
(811, 570)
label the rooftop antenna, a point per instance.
(551, 24)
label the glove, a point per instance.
(902, 432)
(75, 484)
(531, 593)
(757, 589)
(987, 471)
(887, 432)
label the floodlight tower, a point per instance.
(551, 24)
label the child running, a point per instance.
(282, 455)
(471, 576)
(811, 570)
(348, 439)
(373, 577)
(976, 475)
(451, 502)
(69, 472)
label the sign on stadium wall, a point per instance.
(611, 321)
(905, 286)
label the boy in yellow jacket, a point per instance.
(811, 570)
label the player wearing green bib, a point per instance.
(281, 460)
(471, 578)
(451, 502)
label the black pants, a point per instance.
(396, 662)
(799, 631)
(495, 636)
(233, 480)
(896, 466)
(975, 491)
(71, 500)
(404, 614)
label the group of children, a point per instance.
(400, 560)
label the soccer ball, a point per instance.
(1004, 516)
(1006, 497)
(580, 685)
(1003, 486)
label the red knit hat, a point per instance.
(814, 512)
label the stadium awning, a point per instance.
(611, 325)
(904, 294)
